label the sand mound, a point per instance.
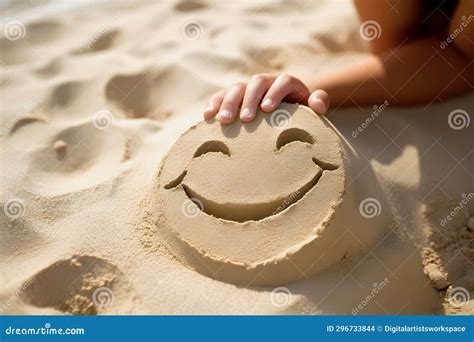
(228, 217)
(448, 254)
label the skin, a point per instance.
(400, 68)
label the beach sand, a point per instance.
(365, 211)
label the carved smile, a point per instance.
(251, 211)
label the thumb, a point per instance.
(319, 101)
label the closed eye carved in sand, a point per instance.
(253, 211)
(293, 134)
(212, 146)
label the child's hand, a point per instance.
(266, 91)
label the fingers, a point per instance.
(265, 90)
(256, 88)
(284, 87)
(319, 101)
(214, 104)
(231, 104)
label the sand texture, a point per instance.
(118, 199)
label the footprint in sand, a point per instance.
(44, 31)
(64, 94)
(148, 94)
(264, 202)
(51, 68)
(189, 6)
(84, 154)
(80, 285)
(27, 39)
(81, 156)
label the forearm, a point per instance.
(412, 74)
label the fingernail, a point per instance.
(319, 106)
(267, 103)
(225, 114)
(246, 114)
(209, 108)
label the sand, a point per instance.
(225, 214)
(117, 199)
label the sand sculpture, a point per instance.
(255, 203)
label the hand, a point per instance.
(266, 91)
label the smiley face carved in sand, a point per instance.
(254, 203)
